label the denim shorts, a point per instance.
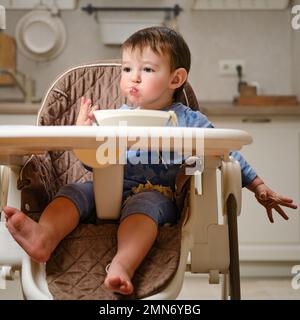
(151, 203)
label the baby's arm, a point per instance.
(264, 195)
(270, 199)
(86, 115)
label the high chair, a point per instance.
(199, 243)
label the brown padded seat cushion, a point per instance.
(76, 269)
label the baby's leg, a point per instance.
(136, 234)
(40, 239)
(141, 215)
(72, 203)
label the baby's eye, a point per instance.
(126, 69)
(147, 69)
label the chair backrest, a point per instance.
(97, 81)
(41, 177)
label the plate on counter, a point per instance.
(40, 35)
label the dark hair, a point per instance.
(162, 40)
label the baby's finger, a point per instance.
(85, 101)
(285, 199)
(289, 205)
(84, 105)
(270, 215)
(281, 212)
(87, 104)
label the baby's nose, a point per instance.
(136, 77)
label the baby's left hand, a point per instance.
(86, 113)
(272, 200)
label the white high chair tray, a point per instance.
(24, 140)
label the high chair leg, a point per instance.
(234, 267)
(4, 180)
(225, 288)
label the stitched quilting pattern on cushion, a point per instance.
(100, 84)
(76, 269)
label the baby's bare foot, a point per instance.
(118, 280)
(31, 236)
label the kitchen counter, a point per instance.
(19, 108)
(229, 109)
(208, 108)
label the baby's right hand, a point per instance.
(86, 115)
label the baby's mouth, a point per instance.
(133, 91)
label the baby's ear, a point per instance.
(178, 78)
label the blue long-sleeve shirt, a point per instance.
(165, 175)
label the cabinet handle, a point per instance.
(256, 120)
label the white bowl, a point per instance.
(143, 118)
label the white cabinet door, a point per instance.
(274, 154)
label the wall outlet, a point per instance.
(228, 67)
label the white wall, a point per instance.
(296, 58)
(263, 38)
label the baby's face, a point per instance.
(146, 78)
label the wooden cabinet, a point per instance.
(275, 155)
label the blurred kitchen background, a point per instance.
(262, 39)
(44, 38)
